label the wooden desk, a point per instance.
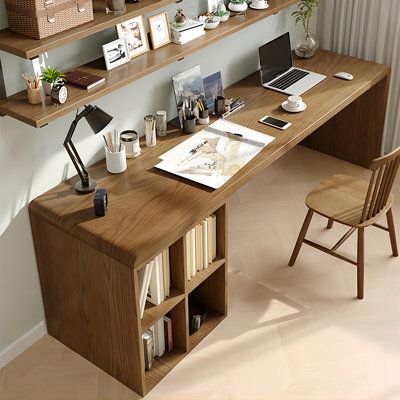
(88, 266)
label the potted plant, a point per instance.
(222, 13)
(238, 5)
(307, 44)
(50, 77)
(209, 20)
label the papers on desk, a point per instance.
(212, 156)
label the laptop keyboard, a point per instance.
(288, 79)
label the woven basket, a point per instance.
(43, 18)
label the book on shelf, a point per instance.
(188, 254)
(155, 293)
(169, 342)
(159, 337)
(148, 347)
(187, 38)
(205, 242)
(199, 246)
(144, 282)
(190, 31)
(83, 79)
(193, 269)
(214, 236)
(166, 272)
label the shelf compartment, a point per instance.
(213, 318)
(202, 275)
(26, 47)
(153, 313)
(17, 105)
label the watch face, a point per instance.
(59, 94)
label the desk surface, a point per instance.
(150, 209)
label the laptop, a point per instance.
(277, 71)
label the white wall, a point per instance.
(33, 161)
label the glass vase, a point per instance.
(306, 45)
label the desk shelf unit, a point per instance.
(92, 303)
(39, 115)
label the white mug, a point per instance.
(294, 102)
(116, 162)
(259, 3)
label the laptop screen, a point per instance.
(275, 57)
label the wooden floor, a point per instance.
(292, 333)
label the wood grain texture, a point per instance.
(17, 106)
(202, 275)
(169, 206)
(90, 304)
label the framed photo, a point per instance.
(213, 88)
(134, 33)
(159, 30)
(115, 53)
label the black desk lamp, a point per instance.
(98, 120)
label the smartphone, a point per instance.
(275, 122)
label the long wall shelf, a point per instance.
(18, 107)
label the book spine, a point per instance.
(199, 248)
(193, 269)
(214, 236)
(204, 243)
(188, 245)
(186, 39)
(169, 344)
(148, 346)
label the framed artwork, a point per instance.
(134, 33)
(115, 53)
(159, 30)
(213, 88)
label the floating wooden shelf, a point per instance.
(26, 47)
(17, 105)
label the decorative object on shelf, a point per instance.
(212, 89)
(307, 44)
(59, 93)
(237, 5)
(161, 123)
(150, 130)
(97, 120)
(83, 79)
(190, 31)
(116, 7)
(116, 160)
(159, 30)
(188, 86)
(50, 77)
(221, 12)
(212, 5)
(100, 202)
(210, 21)
(33, 87)
(40, 19)
(134, 33)
(130, 139)
(115, 53)
(219, 105)
(179, 18)
(259, 4)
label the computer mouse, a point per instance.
(344, 75)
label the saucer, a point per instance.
(266, 5)
(293, 110)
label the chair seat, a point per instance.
(341, 198)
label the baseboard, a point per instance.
(22, 343)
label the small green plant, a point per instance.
(221, 11)
(305, 10)
(238, 1)
(52, 75)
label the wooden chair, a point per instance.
(355, 203)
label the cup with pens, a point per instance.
(189, 116)
(204, 117)
(33, 85)
(115, 153)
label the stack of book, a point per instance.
(157, 340)
(190, 31)
(155, 281)
(201, 246)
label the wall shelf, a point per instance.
(17, 106)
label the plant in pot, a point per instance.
(50, 77)
(307, 44)
(238, 5)
(222, 13)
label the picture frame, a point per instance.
(160, 32)
(115, 53)
(212, 89)
(134, 32)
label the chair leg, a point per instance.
(360, 264)
(392, 232)
(330, 224)
(301, 237)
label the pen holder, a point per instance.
(34, 96)
(189, 125)
(204, 118)
(116, 162)
(219, 105)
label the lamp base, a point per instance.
(86, 189)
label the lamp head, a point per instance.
(97, 118)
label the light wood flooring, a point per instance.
(292, 333)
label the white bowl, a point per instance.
(237, 7)
(225, 17)
(211, 25)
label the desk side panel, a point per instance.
(90, 303)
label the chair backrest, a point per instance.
(384, 171)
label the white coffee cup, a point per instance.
(116, 162)
(259, 3)
(295, 102)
